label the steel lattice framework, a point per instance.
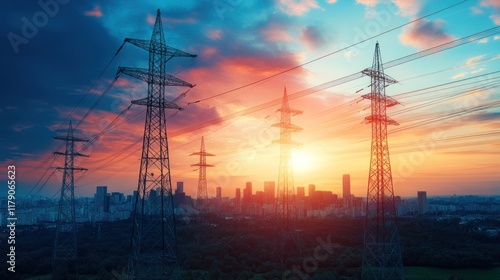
(382, 254)
(202, 203)
(285, 191)
(153, 253)
(65, 252)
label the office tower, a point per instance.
(237, 199)
(269, 192)
(247, 193)
(422, 202)
(100, 197)
(180, 188)
(218, 192)
(346, 191)
(312, 189)
(301, 192)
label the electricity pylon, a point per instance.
(64, 260)
(381, 253)
(202, 203)
(153, 253)
(286, 239)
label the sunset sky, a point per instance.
(448, 140)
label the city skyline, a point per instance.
(430, 149)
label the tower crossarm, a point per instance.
(293, 112)
(389, 101)
(289, 126)
(74, 154)
(381, 76)
(202, 154)
(149, 102)
(144, 75)
(72, 168)
(381, 119)
(203, 164)
(167, 50)
(287, 143)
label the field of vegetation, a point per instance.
(244, 249)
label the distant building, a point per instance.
(179, 195)
(237, 199)
(218, 194)
(422, 202)
(346, 191)
(312, 189)
(101, 199)
(269, 192)
(301, 192)
(247, 193)
(180, 188)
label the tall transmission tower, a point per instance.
(202, 204)
(382, 253)
(64, 260)
(284, 200)
(153, 253)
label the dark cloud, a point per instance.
(62, 55)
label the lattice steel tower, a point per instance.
(285, 191)
(382, 253)
(153, 244)
(202, 203)
(64, 260)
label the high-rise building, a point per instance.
(247, 193)
(312, 189)
(180, 197)
(101, 200)
(269, 192)
(346, 191)
(218, 192)
(422, 202)
(180, 188)
(237, 199)
(301, 191)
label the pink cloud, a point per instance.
(298, 7)
(408, 7)
(424, 34)
(151, 19)
(495, 17)
(312, 37)
(96, 12)
(494, 3)
(276, 33)
(209, 51)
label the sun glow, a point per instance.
(302, 160)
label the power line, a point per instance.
(326, 55)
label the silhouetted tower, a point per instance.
(284, 204)
(202, 203)
(382, 254)
(153, 244)
(64, 260)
